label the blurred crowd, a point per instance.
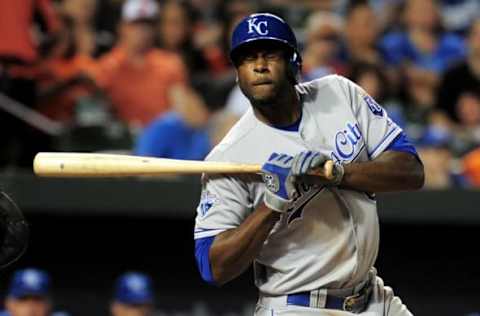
(154, 77)
(30, 294)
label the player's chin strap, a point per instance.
(14, 231)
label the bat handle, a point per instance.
(327, 171)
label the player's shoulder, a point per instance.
(330, 82)
(326, 90)
(237, 137)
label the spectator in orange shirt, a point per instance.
(19, 49)
(16, 20)
(136, 76)
(82, 13)
(62, 78)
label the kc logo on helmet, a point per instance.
(260, 27)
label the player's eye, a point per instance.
(272, 55)
(249, 57)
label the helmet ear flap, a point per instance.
(294, 67)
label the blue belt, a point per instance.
(303, 299)
(354, 303)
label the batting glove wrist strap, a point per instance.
(276, 203)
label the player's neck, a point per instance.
(285, 112)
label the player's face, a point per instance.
(119, 309)
(262, 73)
(28, 306)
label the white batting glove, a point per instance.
(308, 162)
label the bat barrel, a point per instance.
(111, 165)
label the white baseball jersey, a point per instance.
(329, 237)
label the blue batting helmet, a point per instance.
(266, 27)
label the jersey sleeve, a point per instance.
(224, 204)
(378, 130)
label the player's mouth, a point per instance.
(262, 82)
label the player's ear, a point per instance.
(291, 75)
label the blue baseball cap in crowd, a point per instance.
(29, 282)
(134, 288)
(435, 137)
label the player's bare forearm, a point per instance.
(391, 171)
(234, 250)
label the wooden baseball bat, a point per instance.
(112, 165)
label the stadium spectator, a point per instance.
(82, 14)
(230, 13)
(217, 54)
(29, 295)
(135, 75)
(180, 134)
(422, 43)
(468, 113)
(372, 79)
(133, 295)
(458, 15)
(16, 25)
(468, 110)
(471, 168)
(463, 77)
(320, 56)
(176, 31)
(434, 150)
(62, 80)
(361, 34)
(21, 44)
(418, 101)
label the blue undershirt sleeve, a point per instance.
(403, 144)
(202, 249)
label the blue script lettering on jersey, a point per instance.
(373, 105)
(346, 142)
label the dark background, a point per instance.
(433, 267)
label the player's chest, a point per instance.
(340, 139)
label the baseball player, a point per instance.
(312, 239)
(133, 295)
(29, 294)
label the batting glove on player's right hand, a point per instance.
(279, 183)
(307, 162)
